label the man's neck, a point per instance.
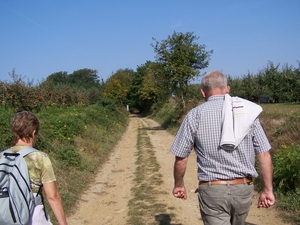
(213, 92)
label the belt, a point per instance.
(245, 180)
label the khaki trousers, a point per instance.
(225, 204)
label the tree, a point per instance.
(134, 95)
(250, 88)
(162, 84)
(150, 92)
(273, 80)
(57, 78)
(118, 85)
(194, 92)
(290, 87)
(155, 89)
(84, 77)
(182, 59)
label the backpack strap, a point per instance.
(26, 151)
(23, 152)
(39, 198)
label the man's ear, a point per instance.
(203, 93)
(227, 89)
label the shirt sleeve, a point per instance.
(40, 169)
(184, 140)
(260, 141)
(47, 172)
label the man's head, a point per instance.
(25, 126)
(214, 83)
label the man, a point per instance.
(225, 167)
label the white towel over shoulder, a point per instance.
(238, 116)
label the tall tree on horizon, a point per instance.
(182, 59)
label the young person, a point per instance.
(25, 127)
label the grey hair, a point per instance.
(212, 80)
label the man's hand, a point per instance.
(266, 200)
(179, 171)
(180, 192)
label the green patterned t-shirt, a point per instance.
(39, 166)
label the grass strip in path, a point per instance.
(146, 206)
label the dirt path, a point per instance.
(106, 201)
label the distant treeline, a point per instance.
(178, 61)
(143, 90)
(271, 84)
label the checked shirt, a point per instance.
(201, 131)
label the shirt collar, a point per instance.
(216, 97)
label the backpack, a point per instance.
(17, 201)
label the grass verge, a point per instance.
(77, 139)
(147, 206)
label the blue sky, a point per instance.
(40, 37)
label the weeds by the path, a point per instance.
(146, 206)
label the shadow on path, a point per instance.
(165, 219)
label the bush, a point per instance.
(169, 116)
(110, 104)
(20, 97)
(6, 139)
(286, 169)
(69, 156)
(62, 124)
